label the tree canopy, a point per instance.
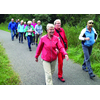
(70, 19)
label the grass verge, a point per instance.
(77, 55)
(7, 74)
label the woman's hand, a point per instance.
(36, 59)
(67, 58)
(87, 38)
(57, 50)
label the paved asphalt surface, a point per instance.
(32, 73)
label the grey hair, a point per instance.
(56, 21)
(49, 25)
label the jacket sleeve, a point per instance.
(9, 26)
(65, 39)
(39, 48)
(18, 27)
(96, 35)
(32, 28)
(36, 29)
(15, 25)
(81, 35)
(41, 29)
(25, 29)
(61, 48)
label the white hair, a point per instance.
(33, 20)
(38, 21)
(22, 21)
(29, 22)
(49, 25)
(57, 21)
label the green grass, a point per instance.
(7, 74)
(77, 55)
(4, 26)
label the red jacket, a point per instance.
(48, 48)
(62, 33)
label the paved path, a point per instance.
(32, 73)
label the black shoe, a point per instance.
(91, 75)
(30, 49)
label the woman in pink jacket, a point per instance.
(49, 44)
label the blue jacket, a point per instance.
(38, 29)
(12, 26)
(91, 35)
(17, 24)
(20, 28)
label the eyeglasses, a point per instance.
(91, 23)
(58, 23)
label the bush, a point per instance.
(75, 51)
(72, 33)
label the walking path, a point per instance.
(32, 73)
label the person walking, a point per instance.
(33, 24)
(60, 33)
(18, 21)
(48, 45)
(21, 31)
(12, 27)
(88, 36)
(29, 33)
(38, 31)
(24, 28)
(16, 29)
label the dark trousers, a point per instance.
(33, 40)
(29, 38)
(24, 35)
(21, 36)
(37, 36)
(87, 52)
(16, 34)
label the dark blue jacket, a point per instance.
(12, 26)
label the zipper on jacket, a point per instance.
(51, 49)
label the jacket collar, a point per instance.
(47, 36)
(58, 29)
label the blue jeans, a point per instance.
(29, 38)
(13, 33)
(21, 36)
(87, 52)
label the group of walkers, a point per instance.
(31, 30)
(54, 44)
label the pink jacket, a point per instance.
(34, 26)
(48, 48)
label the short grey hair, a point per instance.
(38, 21)
(33, 19)
(49, 25)
(56, 21)
(29, 22)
